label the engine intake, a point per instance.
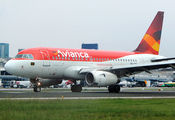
(100, 78)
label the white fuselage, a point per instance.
(70, 69)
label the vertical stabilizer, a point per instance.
(151, 41)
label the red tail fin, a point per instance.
(151, 41)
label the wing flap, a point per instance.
(133, 69)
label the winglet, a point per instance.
(151, 41)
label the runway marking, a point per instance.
(13, 92)
(55, 98)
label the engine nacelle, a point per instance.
(46, 82)
(101, 78)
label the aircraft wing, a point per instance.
(126, 70)
(130, 69)
(85, 70)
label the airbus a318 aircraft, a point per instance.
(47, 66)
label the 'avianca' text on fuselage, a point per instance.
(71, 54)
(49, 66)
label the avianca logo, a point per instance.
(72, 54)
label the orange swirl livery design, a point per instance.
(151, 41)
(71, 54)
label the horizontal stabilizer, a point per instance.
(164, 59)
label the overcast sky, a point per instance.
(113, 24)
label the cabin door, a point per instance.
(46, 58)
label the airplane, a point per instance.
(65, 83)
(23, 84)
(47, 66)
(1, 83)
(166, 84)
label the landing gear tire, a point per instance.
(73, 88)
(114, 88)
(37, 89)
(110, 89)
(76, 88)
(79, 88)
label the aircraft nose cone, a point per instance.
(10, 66)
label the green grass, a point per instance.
(103, 109)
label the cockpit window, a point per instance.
(26, 56)
(30, 56)
(19, 56)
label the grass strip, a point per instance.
(103, 109)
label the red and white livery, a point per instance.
(48, 66)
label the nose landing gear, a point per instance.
(37, 89)
(36, 85)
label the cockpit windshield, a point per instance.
(26, 56)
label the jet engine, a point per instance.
(46, 82)
(101, 78)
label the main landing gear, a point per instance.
(76, 88)
(114, 88)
